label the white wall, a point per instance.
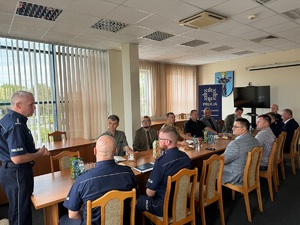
(284, 82)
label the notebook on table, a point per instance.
(144, 167)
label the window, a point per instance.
(66, 83)
(145, 93)
(174, 89)
(27, 66)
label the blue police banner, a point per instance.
(210, 95)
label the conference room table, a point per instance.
(52, 188)
(84, 146)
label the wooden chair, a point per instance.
(220, 124)
(279, 160)
(112, 207)
(182, 116)
(183, 211)
(57, 135)
(209, 189)
(294, 150)
(63, 159)
(269, 173)
(251, 180)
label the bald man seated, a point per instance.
(106, 176)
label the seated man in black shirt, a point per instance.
(195, 127)
(275, 126)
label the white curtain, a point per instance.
(149, 89)
(180, 88)
(81, 81)
(166, 87)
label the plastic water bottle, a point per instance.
(74, 168)
(250, 128)
(211, 139)
(80, 166)
(195, 142)
(205, 136)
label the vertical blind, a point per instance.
(69, 85)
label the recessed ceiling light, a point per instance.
(158, 36)
(194, 43)
(37, 11)
(109, 25)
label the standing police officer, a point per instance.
(17, 153)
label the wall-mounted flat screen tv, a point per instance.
(252, 97)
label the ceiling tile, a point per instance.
(5, 18)
(148, 6)
(268, 22)
(34, 23)
(136, 31)
(127, 15)
(8, 6)
(97, 8)
(76, 18)
(178, 11)
(73, 26)
(154, 22)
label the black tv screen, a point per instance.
(252, 97)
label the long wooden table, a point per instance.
(50, 189)
(42, 165)
(84, 146)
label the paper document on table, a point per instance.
(119, 158)
(189, 142)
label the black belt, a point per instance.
(10, 164)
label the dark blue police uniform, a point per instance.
(167, 165)
(16, 179)
(106, 176)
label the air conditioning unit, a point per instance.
(202, 19)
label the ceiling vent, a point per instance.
(260, 39)
(202, 19)
(243, 53)
(264, 2)
(293, 14)
(221, 48)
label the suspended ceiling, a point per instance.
(251, 27)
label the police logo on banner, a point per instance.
(210, 96)
(226, 80)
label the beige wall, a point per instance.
(124, 88)
(284, 82)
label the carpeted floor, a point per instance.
(284, 209)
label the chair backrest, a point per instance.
(251, 171)
(220, 124)
(281, 140)
(112, 207)
(272, 159)
(63, 159)
(57, 135)
(182, 116)
(295, 140)
(211, 179)
(181, 183)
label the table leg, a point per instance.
(51, 215)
